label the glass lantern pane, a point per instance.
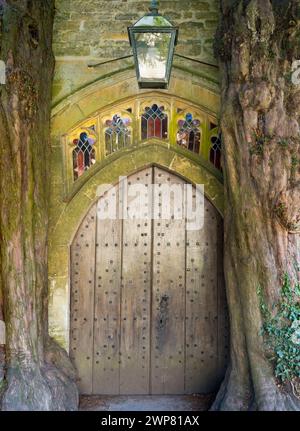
(153, 21)
(152, 53)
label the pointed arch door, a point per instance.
(148, 307)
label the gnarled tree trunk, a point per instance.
(38, 373)
(257, 42)
(2, 344)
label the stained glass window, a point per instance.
(84, 155)
(117, 134)
(136, 122)
(189, 135)
(216, 151)
(154, 123)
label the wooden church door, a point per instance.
(148, 307)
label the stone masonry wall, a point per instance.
(99, 28)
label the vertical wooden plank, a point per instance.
(82, 300)
(168, 307)
(107, 301)
(136, 296)
(202, 306)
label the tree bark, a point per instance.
(38, 374)
(2, 345)
(257, 42)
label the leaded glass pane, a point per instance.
(189, 135)
(84, 155)
(216, 151)
(117, 134)
(154, 123)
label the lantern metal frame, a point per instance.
(154, 83)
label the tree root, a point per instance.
(296, 389)
(61, 377)
(50, 387)
(26, 390)
(233, 396)
(274, 399)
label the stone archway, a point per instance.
(71, 202)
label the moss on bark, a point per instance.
(32, 382)
(257, 42)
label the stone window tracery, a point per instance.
(216, 151)
(132, 123)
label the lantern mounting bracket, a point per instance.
(195, 60)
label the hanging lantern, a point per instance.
(153, 39)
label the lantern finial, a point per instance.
(154, 7)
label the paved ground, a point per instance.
(146, 403)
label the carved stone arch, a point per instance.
(138, 120)
(108, 91)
